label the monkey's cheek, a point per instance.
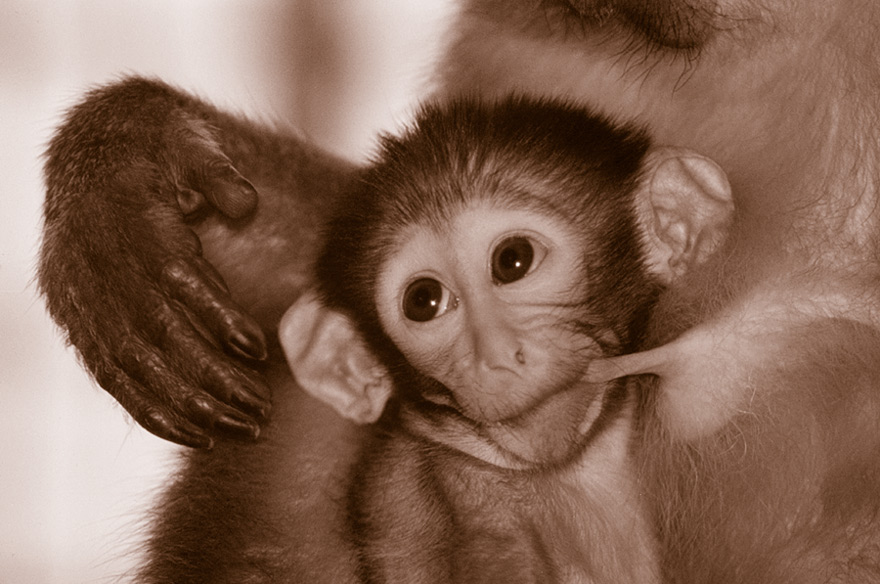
(551, 433)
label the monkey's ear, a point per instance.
(330, 360)
(685, 206)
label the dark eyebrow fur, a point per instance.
(642, 35)
(674, 25)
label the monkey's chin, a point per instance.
(553, 432)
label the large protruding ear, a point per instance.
(685, 205)
(331, 361)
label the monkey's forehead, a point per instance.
(439, 202)
(505, 209)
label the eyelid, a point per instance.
(533, 236)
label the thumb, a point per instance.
(228, 191)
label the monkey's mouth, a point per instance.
(548, 434)
(554, 431)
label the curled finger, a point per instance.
(194, 353)
(195, 289)
(158, 417)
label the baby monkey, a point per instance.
(493, 251)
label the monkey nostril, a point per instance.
(520, 357)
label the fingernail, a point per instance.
(248, 345)
(238, 427)
(255, 399)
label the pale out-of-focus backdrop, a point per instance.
(75, 473)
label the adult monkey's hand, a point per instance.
(123, 273)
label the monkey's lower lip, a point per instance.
(552, 431)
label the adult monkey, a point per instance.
(775, 481)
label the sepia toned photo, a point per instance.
(576, 291)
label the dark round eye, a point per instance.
(512, 259)
(426, 299)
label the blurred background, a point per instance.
(76, 475)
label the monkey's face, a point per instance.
(489, 307)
